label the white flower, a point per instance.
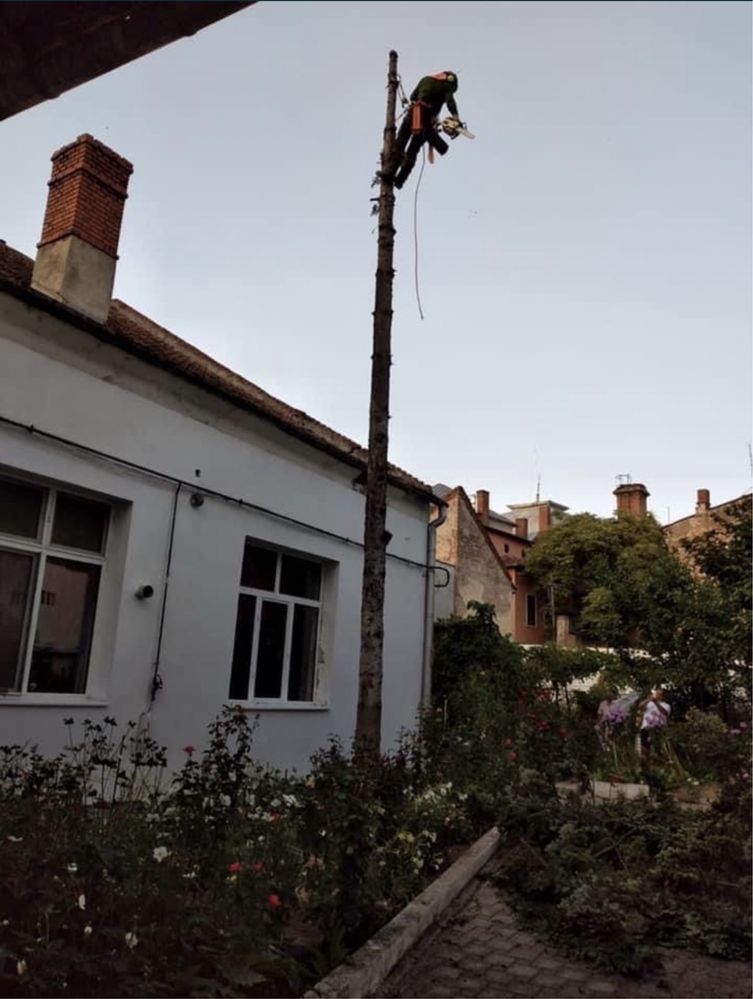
(72, 868)
(5, 922)
(88, 930)
(290, 800)
(159, 853)
(190, 876)
(16, 839)
(82, 901)
(225, 800)
(131, 940)
(232, 776)
(21, 967)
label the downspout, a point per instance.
(431, 549)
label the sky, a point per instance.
(584, 263)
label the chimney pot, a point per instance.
(703, 501)
(482, 505)
(521, 527)
(545, 517)
(78, 247)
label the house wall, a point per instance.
(521, 631)
(478, 575)
(444, 595)
(689, 528)
(63, 381)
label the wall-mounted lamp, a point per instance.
(144, 592)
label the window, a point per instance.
(277, 627)
(52, 551)
(531, 611)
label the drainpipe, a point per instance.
(431, 549)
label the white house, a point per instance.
(172, 538)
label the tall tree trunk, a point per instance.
(369, 715)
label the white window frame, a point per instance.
(41, 548)
(275, 596)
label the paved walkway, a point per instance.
(478, 949)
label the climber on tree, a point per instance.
(418, 125)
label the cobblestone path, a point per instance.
(478, 949)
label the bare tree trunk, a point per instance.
(369, 715)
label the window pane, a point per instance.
(271, 649)
(16, 576)
(300, 578)
(79, 523)
(20, 508)
(303, 653)
(259, 567)
(531, 611)
(64, 627)
(244, 638)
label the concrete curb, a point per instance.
(364, 971)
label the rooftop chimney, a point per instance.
(545, 517)
(631, 498)
(521, 527)
(79, 245)
(482, 505)
(703, 502)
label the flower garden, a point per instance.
(229, 879)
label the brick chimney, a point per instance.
(703, 501)
(78, 248)
(521, 527)
(482, 505)
(631, 498)
(545, 517)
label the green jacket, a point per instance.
(435, 93)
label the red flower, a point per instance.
(235, 868)
(274, 817)
(274, 902)
(512, 755)
(189, 750)
(508, 743)
(257, 867)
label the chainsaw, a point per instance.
(453, 127)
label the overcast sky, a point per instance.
(585, 263)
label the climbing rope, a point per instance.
(415, 232)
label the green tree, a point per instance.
(624, 588)
(716, 629)
(615, 577)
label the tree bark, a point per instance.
(369, 713)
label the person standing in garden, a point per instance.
(656, 711)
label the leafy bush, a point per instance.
(610, 882)
(233, 880)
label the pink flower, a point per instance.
(189, 750)
(512, 755)
(257, 867)
(274, 902)
(274, 817)
(235, 868)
